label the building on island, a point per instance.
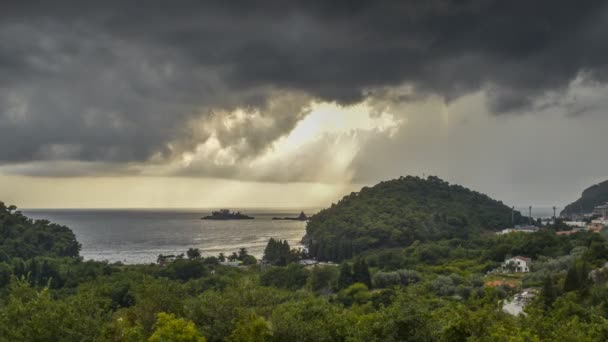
(516, 264)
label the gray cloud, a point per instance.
(121, 82)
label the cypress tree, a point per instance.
(277, 252)
(346, 276)
(577, 277)
(571, 283)
(549, 292)
(361, 272)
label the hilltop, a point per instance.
(22, 237)
(400, 211)
(591, 197)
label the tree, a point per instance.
(33, 315)
(511, 266)
(577, 277)
(221, 257)
(251, 329)
(323, 278)
(549, 292)
(5, 274)
(249, 260)
(185, 269)
(233, 257)
(292, 277)
(170, 328)
(242, 253)
(357, 293)
(278, 252)
(345, 279)
(308, 320)
(193, 253)
(571, 282)
(361, 272)
(386, 279)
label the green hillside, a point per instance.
(21, 237)
(591, 197)
(399, 212)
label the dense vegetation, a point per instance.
(431, 290)
(24, 238)
(398, 212)
(591, 197)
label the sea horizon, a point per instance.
(138, 236)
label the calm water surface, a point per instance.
(139, 236)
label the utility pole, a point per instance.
(554, 214)
(530, 215)
(513, 216)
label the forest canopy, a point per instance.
(434, 290)
(400, 211)
(22, 237)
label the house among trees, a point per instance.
(516, 264)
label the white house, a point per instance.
(516, 264)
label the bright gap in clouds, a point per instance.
(318, 149)
(329, 137)
(332, 119)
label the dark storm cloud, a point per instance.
(125, 81)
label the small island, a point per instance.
(301, 217)
(225, 214)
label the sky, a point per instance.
(295, 104)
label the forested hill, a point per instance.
(399, 212)
(21, 237)
(591, 197)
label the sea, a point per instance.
(138, 236)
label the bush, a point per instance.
(408, 277)
(443, 286)
(249, 260)
(291, 277)
(323, 278)
(386, 279)
(185, 269)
